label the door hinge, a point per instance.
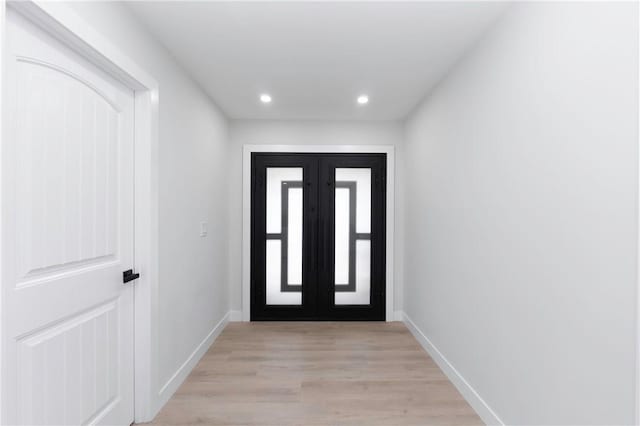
(128, 275)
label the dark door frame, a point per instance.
(247, 149)
(319, 186)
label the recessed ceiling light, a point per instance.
(265, 99)
(363, 99)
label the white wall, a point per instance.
(193, 288)
(522, 170)
(265, 132)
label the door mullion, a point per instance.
(325, 182)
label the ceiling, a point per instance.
(315, 58)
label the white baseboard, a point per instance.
(473, 398)
(235, 316)
(172, 385)
(398, 316)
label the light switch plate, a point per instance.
(203, 229)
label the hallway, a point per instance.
(301, 373)
(205, 205)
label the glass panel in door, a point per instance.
(352, 227)
(284, 219)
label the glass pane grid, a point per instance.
(284, 227)
(352, 220)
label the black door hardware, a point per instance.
(128, 275)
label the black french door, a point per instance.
(318, 236)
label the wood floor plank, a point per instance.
(313, 374)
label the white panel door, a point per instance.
(67, 212)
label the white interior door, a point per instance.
(67, 236)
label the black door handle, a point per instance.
(128, 275)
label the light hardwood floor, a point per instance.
(319, 373)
